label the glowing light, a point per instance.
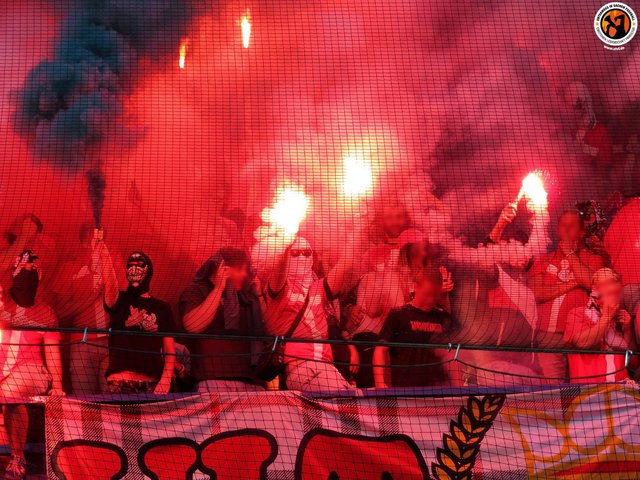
(358, 176)
(245, 27)
(184, 46)
(288, 211)
(533, 189)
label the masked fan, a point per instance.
(137, 363)
(299, 305)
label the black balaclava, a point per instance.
(25, 282)
(139, 273)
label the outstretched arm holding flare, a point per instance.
(341, 277)
(109, 278)
(507, 216)
(278, 277)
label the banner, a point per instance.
(570, 432)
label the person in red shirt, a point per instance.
(395, 228)
(560, 281)
(601, 325)
(593, 136)
(622, 241)
(24, 370)
(293, 288)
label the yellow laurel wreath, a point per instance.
(462, 444)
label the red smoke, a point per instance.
(458, 98)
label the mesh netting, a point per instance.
(332, 239)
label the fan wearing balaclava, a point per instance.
(139, 273)
(136, 317)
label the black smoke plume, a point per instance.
(96, 185)
(71, 107)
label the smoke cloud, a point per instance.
(73, 105)
(452, 103)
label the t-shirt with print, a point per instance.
(137, 353)
(282, 310)
(552, 315)
(594, 368)
(409, 324)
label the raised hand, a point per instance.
(447, 280)
(221, 276)
(509, 213)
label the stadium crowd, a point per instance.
(387, 290)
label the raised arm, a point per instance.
(340, 277)
(278, 277)
(31, 226)
(109, 278)
(507, 216)
(199, 318)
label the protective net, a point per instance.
(340, 239)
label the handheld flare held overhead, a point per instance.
(358, 176)
(533, 189)
(96, 185)
(288, 211)
(245, 28)
(184, 47)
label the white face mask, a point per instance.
(300, 270)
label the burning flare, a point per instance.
(533, 189)
(245, 26)
(358, 176)
(288, 211)
(184, 45)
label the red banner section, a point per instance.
(560, 433)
